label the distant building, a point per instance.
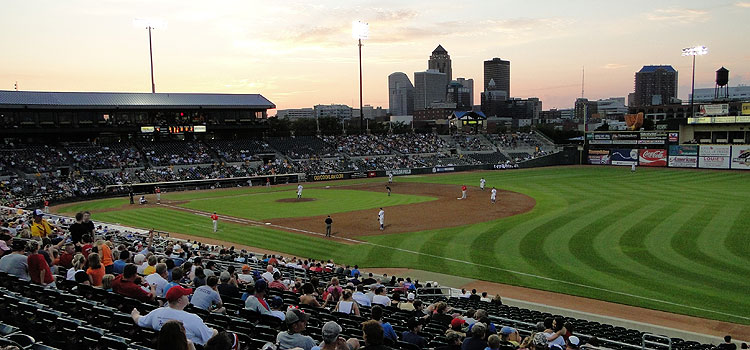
(433, 114)
(468, 83)
(737, 93)
(370, 112)
(400, 94)
(333, 111)
(655, 85)
(296, 113)
(611, 108)
(585, 108)
(493, 99)
(497, 70)
(460, 95)
(516, 108)
(441, 61)
(429, 87)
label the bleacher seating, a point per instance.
(104, 157)
(489, 158)
(302, 147)
(176, 153)
(240, 150)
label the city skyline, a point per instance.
(299, 54)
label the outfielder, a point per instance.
(299, 191)
(482, 181)
(215, 219)
(493, 195)
(388, 188)
(390, 178)
(381, 219)
(632, 168)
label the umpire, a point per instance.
(329, 221)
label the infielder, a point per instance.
(493, 195)
(215, 219)
(463, 192)
(299, 191)
(482, 181)
(158, 195)
(381, 219)
(390, 178)
(388, 188)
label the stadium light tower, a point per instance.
(360, 30)
(694, 51)
(150, 24)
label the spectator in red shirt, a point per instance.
(87, 245)
(39, 270)
(277, 283)
(66, 258)
(124, 284)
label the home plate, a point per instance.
(268, 223)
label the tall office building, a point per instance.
(655, 85)
(441, 61)
(429, 88)
(460, 95)
(469, 84)
(497, 70)
(400, 94)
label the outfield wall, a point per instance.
(736, 157)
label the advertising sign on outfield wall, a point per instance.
(686, 150)
(652, 157)
(599, 156)
(683, 162)
(714, 162)
(624, 156)
(741, 157)
(715, 151)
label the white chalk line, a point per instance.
(525, 274)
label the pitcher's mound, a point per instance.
(295, 200)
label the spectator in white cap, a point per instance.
(573, 343)
(408, 305)
(296, 321)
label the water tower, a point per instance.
(722, 84)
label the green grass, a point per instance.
(673, 240)
(327, 201)
(93, 205)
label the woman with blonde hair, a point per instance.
(347, 305)
(79, 264)
(107, 282)
(95, 270)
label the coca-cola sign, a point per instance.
(652, 157)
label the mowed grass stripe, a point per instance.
(736, 241)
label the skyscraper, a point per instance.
(400, 94)
(469, 84)
(498, 71)
(429, 87)
(655, 85)
(441, 61)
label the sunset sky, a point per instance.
(301, 53)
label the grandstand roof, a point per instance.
(50, 99)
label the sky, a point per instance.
(301, 53)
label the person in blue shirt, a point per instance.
(174, 281)
(376, 313)
(412, 335)
(355, 271)
(119, 265)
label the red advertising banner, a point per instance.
(652, 157)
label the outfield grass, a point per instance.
(666, 239)
(93, 205)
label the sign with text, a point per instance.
(599, 156)
(714, 109)
(652, 157)
(683, 162)
(741, 157)
(713, 162)
(684, 150)
(715, 151)
(624, 156)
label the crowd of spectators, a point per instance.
(32, 159)
(516, 140)
(104, 157)
(471, 143)
(359, 145)
(240, 150)
(176, 153)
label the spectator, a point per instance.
(296, 321)
(257, 302)
(207, 297)
(572, 343)
(457, 325)
(277, 304)
(66, 258)
(419, 311)
(151, 268)
(332, 340)
(485, 298)
(195, 330)
(95, 270)
(481, 316)
(476, 341)
(200, 277)
(347, 305)
(509, 338)
(105, 255)
(119, 265)
(138, 260)
(158, 279)
(308, 295)
(268, 275)
(453, 341)
(539, 341)
(440, 315)
(246, 276)
(380, 297)
(376, 314)
(554, 330)
(125, 285)
(493, 342)
(727, 344)
(412, 336)
(474, 296)
(77, 229)
(81, 277)
(38, 268)
(107, 282)
(16, 263)
(372, 333)
(40, 227)
(79, 263)
(172, 337)
(409, 304)
(360, 297)
(228, 286)
(223, 341)
(277, 283)
(177, 275)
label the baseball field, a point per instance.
(666, 239)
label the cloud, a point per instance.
(678, 15)
(614, 66)
(743, 4)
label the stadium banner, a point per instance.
(650, 142)
(397, 172)
(624, 156)
(444, 169)
(652, 135)
(714, 110)
(715, 151)
(714, 162)
(600, 142)
(652, 157)
(683, 162)
(745, 109)
(686, 150)
(503, 166)
(674, 137)
(599, 156)
(602, 136)
(741, 157)
(329, 177)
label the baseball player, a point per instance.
(493, 195)
(390, 178)
(388, 188)
(215, 219)
(158, 195)
(632, 168)
(328, 222)
(299, 191)
(482, 181)
(381, 219)
(463, 192)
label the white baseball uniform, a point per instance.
(493, 196)
(299, 191)
(481, 183)
(390, 177)
(381, 219)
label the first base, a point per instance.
(268, 223)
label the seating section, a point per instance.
(359, 145)
(33, 159)
(104, 157)
(490, 158)
(240, 150)
(472, 143)
(302, 147)
(176, 153)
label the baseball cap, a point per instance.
(276, 302)
(261, 285)
(177, 292)
(507, 330)
(38, 212)
(574, 341)
(296, 315)
(457, 322)
(245, 268)
(331, 331)
(410, 296)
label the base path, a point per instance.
(446, 211)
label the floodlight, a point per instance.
(695, 51)
(360, 30)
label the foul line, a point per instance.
(525, 274)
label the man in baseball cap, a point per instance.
(296, 321)
(39, 226)
(573, 343)
(195, 329)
